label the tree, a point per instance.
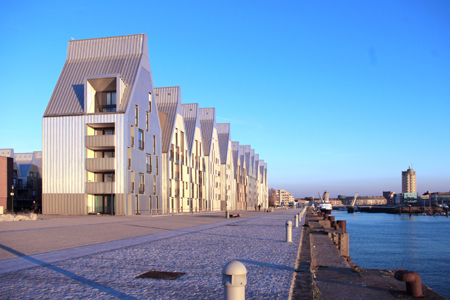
(273, 198)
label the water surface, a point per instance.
(416, 243)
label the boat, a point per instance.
(326, 207)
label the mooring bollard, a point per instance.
(296, 220)
(342, 224)
(289, 232)
(413, 282)
(234, 279)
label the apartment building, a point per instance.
(114, 144)
(240, 195)
(176, 167)
(20, 180)
(227, 181)
(197, 164)
(101, 131)
(212, 158)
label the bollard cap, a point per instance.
(234, 268)
(288, 223)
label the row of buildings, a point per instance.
(112, 143)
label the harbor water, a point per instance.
(388, 241)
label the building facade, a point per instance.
(114, 144)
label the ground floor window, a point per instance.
(104, 205)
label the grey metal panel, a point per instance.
(100, 141)
(191, 121)
(100, 188)
(168, 100)
(208, 123)
(100, 164)
(223, 132)
(113, 55)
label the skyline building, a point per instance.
(409, 181)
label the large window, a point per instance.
(150, 102)
(146, 122)
(109, 102)
(154, 185)
(154, 145)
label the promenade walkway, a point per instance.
(108, 269)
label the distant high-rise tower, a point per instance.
(409, 181)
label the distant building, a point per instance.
(20, 179)
(409, 181)
(285, 197)
(389, 195)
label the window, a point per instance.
(109, 102)
(132, 136)
(157, 166)
(132, 182)
(154, 185)
(108, 131)
(150, 102)
(129, 157)
(154, 145)
(136, 116)
(141, 183)
(146, 122)
(141, 139)
(149, 163)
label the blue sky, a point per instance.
(334, 95)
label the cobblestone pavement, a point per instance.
(200, 252)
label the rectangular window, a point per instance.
(132, 182)
(141, 139)
(154, 145)
(141, 183)
(132, 136)
(150, 102)
(109, 104)
(129, 158)
(157, 166)
(154, 185)
(149, 163)
(136, 116)
(146, 122)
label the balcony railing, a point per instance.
(100, 141)
(100, 188)
(100, 164)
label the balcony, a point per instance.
(99, 142)
(100, 164)
(94, 188)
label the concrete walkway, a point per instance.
(107, 270)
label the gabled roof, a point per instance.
(235, 148)
(168, 100)
(246, 152)
(7, 152)
(114, 55)
(208, 123)
(24, 162)
(261, 170)
(223, 133)
(191, 121)
(256, 165)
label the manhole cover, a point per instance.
(161, 275)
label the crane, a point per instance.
(351, 207)
(320, 196)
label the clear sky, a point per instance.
(334, 95)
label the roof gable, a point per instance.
(223, 132)
(168, 100)
(95, 57)
(208, 123)
(191, 122)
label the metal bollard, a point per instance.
(289, 232)
(413, 282)
(296, 220)
(234, 279)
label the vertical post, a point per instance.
(234, 279)
(289, 232)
